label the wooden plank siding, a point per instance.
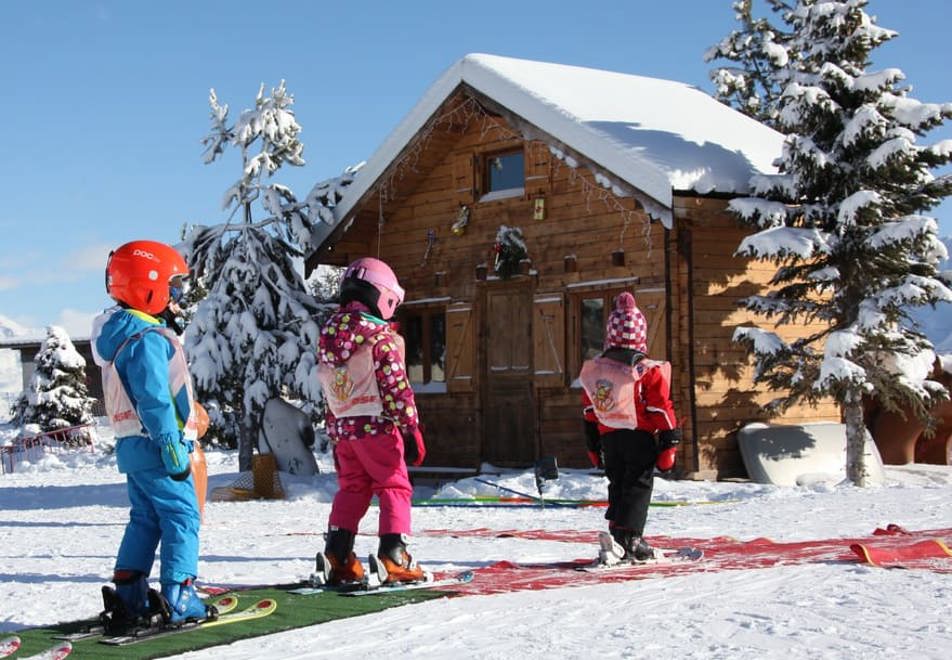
(725, 398)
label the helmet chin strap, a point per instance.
(170, 316)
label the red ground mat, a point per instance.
(720, 553)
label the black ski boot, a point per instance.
(640, 550)
(634, 546)
(132, 604)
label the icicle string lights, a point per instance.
(460, 118)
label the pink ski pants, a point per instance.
(372, 465)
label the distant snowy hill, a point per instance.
(11, 383)
(10, 328)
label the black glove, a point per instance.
(668, 442)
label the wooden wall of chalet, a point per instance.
(725, 398)
(577, 223)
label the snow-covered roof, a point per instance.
(658, 136)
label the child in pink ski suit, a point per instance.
(372, 421)
(629, 424)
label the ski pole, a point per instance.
(541, 500)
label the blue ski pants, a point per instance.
(162, 510)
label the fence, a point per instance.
(33, 447)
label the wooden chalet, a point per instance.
(616, 182)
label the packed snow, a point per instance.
(65, 514)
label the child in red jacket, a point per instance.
(630, 425)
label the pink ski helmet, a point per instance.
(389, 293)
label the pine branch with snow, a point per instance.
(754, 84)
(845, 223)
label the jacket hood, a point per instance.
(113, 327)
(346, 331)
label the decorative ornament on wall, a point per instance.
(430, 242)
(462, 219)
(509, 250)
(538, 208)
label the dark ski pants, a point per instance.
(629, 465)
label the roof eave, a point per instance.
(653, 186)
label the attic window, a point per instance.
(504, 175)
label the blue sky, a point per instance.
(104, 104)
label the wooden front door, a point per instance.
(509, 415)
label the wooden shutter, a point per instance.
(548, 340)
(651, 302)
(463, 179)
(537, 168)
(459, 348)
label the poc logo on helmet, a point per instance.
(143, 253)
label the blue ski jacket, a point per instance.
(143, 367)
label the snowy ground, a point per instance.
(62, 518)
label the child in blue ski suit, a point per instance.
(149, 402)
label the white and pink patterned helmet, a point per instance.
(382, 278)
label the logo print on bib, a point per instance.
(343, 386)
(603, 400)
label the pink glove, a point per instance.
(414, 451)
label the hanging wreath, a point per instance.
(509, 250)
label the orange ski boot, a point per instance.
(338, 564)
(394, 564)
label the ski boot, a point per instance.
(132, 604)
(623, 545)
(184, 605)
(338, 564)
(393, 563)
(640, 550)
(610, 551)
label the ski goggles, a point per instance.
(178, 287)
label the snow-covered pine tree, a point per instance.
(56, 397)
(754, 84)
(844, 223)
(253, 337)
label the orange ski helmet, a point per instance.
(139, 274)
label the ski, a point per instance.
(54, 653)
(460, 578)
(224, 605)
(347, 587)
(662, 556)
(9, 645)
(609, 556)
(259, 610)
